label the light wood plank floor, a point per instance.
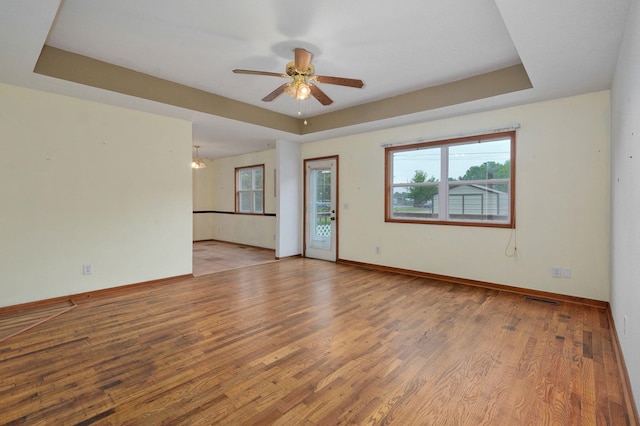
(306, 342)
(216, 256)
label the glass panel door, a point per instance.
(320, 209)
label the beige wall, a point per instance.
(214, 190)
(87, 183)
(562, 208)
(203, 201)
(625, 197)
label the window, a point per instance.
(464, 181)
(249, 189)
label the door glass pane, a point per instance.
(321, 205)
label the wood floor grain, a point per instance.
(305, 342)
(18, 321)
(216, 256)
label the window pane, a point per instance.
(415, 202)
(466, 180)
(487, 168)
(409, 166)
(244, 180)
(244, 201)
(478, 202)
(257, 178)
(257, 201)
(480, 161)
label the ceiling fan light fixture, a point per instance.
(290, 90)
(303, 91)
(303, 76)
(298, 89)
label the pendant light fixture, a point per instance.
(197, 163)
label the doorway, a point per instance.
(320, 206)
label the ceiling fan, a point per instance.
(301, 71)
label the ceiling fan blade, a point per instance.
(302, 60)
(320, 95)
(272, 74)
(271, 96)
(340, 81)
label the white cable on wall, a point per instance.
(512, 238)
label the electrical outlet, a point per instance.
(87, 269)
(556, 272)
(566, 272)
(378, 250)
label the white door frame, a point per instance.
(329, 253)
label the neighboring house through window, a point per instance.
(250, 189)
(462, 181)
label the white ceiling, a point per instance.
(566, 46)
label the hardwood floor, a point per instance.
(305, 342)
(18, 321)
(215, 256)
